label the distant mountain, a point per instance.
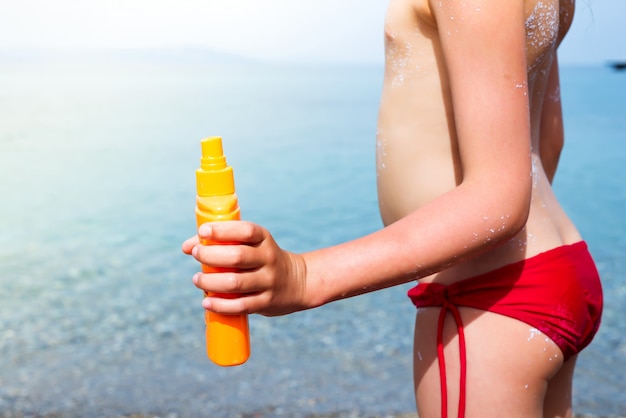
(122, 57)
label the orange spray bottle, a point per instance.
(227, 336)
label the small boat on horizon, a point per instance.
(618, 65)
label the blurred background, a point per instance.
(345, 31)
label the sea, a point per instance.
(98, 314)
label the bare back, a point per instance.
(418, 155)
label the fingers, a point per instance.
(236, 251)
(242, 304)
(243, 269)
(188, 245)
(228, 293)
(241, 245)
(229, 256)
(226, 232)
(230, 282)
(232, 231)
(263, 302)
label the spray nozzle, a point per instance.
(212, 154)
(214, 177)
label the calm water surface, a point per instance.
(98, 316)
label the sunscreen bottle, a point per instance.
(227, 336)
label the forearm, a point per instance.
(464, 222)
(492, 130)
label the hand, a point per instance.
(245, 260)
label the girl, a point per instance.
(469, 136)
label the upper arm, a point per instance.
(551, 136)
(484, 48)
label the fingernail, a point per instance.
(206, 303)
(194, 251)
(204, 230)
(196, 278)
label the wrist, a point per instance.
(309, 295)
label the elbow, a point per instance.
(517, 209)
(518, 220)
(505, 211)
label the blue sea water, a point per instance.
(98, 316)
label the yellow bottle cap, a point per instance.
(215, 176)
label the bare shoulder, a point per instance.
(546, 21)
(540, 14)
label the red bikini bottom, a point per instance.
(557, 292)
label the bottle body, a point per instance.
(227, 336)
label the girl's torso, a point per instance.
(417, 155)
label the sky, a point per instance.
(284, 30)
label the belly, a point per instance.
(416, 147)
(409, 177)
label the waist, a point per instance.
(526, 245)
